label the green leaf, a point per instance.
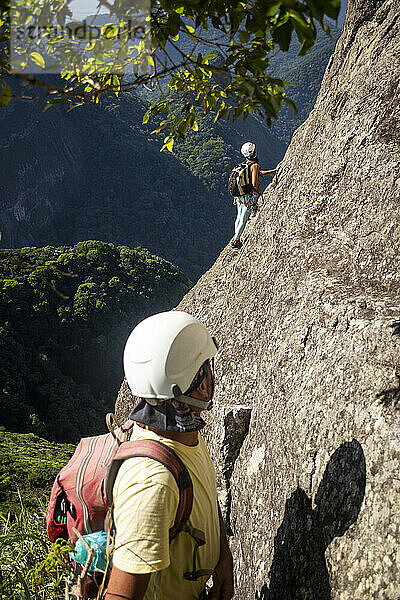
(331, 7)
(291, 105)
(168, 143)
(6, 95)
(38, 59)
(272, 9)
(174, 24)
(303, 29)
(54, 101)
(306, 47)
(283, 35)
(146, 117)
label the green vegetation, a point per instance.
(381, 16)
(230, 78)
(28, 466)
(66, 313)
(100, 175)
(31, 568)
(306, 77)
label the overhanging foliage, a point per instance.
(212, 56)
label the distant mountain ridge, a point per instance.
(305, 75)
(96, 172)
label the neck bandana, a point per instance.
(171, 415)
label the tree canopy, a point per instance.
(210, 56)
(65, 315)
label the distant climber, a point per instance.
(243, 185)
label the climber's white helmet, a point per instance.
(163, 354)
(248, 150)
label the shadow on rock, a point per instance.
(299, 570)
(390, 397)
(396, 327)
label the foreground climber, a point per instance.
(168, 365)
(248, 184)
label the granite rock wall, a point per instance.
(305, 431)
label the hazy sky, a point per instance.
(83, 8)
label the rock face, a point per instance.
(305, 431)
(32, 187)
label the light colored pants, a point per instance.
(243, 213)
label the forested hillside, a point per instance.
(305, 75)
(64, 325)
(96, 171)
(28, 466)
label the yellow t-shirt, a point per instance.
(145, 503)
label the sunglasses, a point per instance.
(202, 372)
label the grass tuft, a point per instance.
(31, 567)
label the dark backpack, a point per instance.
(81, 496)
(240, 180)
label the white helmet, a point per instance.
(248, 150)
(163, 354)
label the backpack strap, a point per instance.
(167, 457)
(244, 178)
(120, 432)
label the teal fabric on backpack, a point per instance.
(97, 541)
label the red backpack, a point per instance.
(81, 496)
